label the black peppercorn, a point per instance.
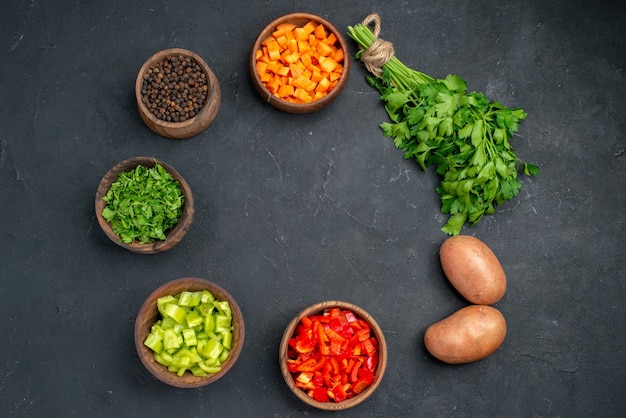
(171, 88)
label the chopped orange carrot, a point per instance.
(302, 95)
(284, 70)
(303, 46)
(286, 90)
(310, 27)
(323, 49)
(320, 32)
(292, 45)
(273, 49)
(273, 85)
(261, 67)
(316, 75)
(282, 41)
(327, 64)
(307, 61)
(296, 69)
(323, 85)
(338, 55)
(331, 39)
(285, 27)
(287, 57)
(334, 76)
(300, 64)
(300, 34)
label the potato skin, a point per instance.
(473, 269)
(470, 334)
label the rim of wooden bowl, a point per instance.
(299, 18)
(148, 315)
(174, 235)
(192, 126)
(380, 368)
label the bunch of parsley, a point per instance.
(437, 122)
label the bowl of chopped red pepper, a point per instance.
(299, 63)
(333, 355)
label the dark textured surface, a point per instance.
(294, 209)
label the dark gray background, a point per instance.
(295, 209)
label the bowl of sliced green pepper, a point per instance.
(144, 205)
(189, 332)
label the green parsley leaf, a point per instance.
(143, 204)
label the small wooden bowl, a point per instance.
(148, 315)
(174, 235)
(317, 309)
(192, 126)
(299, 19)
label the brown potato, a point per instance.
(470, 334)
(473, 269)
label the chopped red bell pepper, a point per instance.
(335, 364)
(333, 355)
(363, 334)
(303, 380)
(359, 386)
(355, 369)
(318, 379)
(306, 322)
(350, 316)
(339, 393)
(370, 349)
(372, 362)
(309, 365)
(319, 394)
(366, 375)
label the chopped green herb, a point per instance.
(143, 204)
(436, 122)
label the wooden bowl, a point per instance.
(192, 126)
(319, 308)
(174, 235)
(148, 315)
(299, 19)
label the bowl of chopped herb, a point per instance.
(177, 93)
(144, 205)
(299, 63)
(189, 332)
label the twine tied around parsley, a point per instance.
(379, 52)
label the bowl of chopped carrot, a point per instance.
(299, 63)
(177, 93)
(189, 332)
(144, 205)
(333, 355)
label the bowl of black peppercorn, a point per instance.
(177, 93)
